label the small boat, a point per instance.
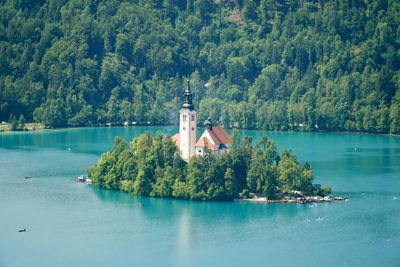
(21, 230)
(320, 219)
(81, 179)
(28, 177)
(307, 220)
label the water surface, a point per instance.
(72, 224)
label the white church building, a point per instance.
(215, 139)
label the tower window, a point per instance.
(192, 128)
(184, 128)
(184, 117)
(193, 117)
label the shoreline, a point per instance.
(299, 200)
(356, 133)
(32, 126)
(28, 127)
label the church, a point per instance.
(214, 138)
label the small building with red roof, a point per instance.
(213, 139)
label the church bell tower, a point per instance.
(187, 126)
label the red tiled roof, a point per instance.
(218, 135)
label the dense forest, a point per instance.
(153, 167)
(256, 64)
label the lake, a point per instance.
(74, 224)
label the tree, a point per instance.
(164, 183)
(13, 123)
(249, 10)
(290, 172)
(229, 184)
(51, 113)
(307, 179)
(236, 71)
(123, 47)
(142, 184)
(256, 174)
(395, 114)
(21, 123)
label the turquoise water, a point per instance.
(72, 224)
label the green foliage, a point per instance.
(321, 191)
(13, 123)
(153, 167)
(17, 124)
(265, 64)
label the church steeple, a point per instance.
(187, 103)
(187, 126)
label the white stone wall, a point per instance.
(199, 151)
(188, 133)
(208, 136)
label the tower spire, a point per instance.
(187, 126)
(187, 103)
(208, 123)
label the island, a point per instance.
(214, 167)
(152, 166)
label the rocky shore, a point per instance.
(298, 200)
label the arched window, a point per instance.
(193, 117)
(184, 117)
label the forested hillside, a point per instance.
(265, 64)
